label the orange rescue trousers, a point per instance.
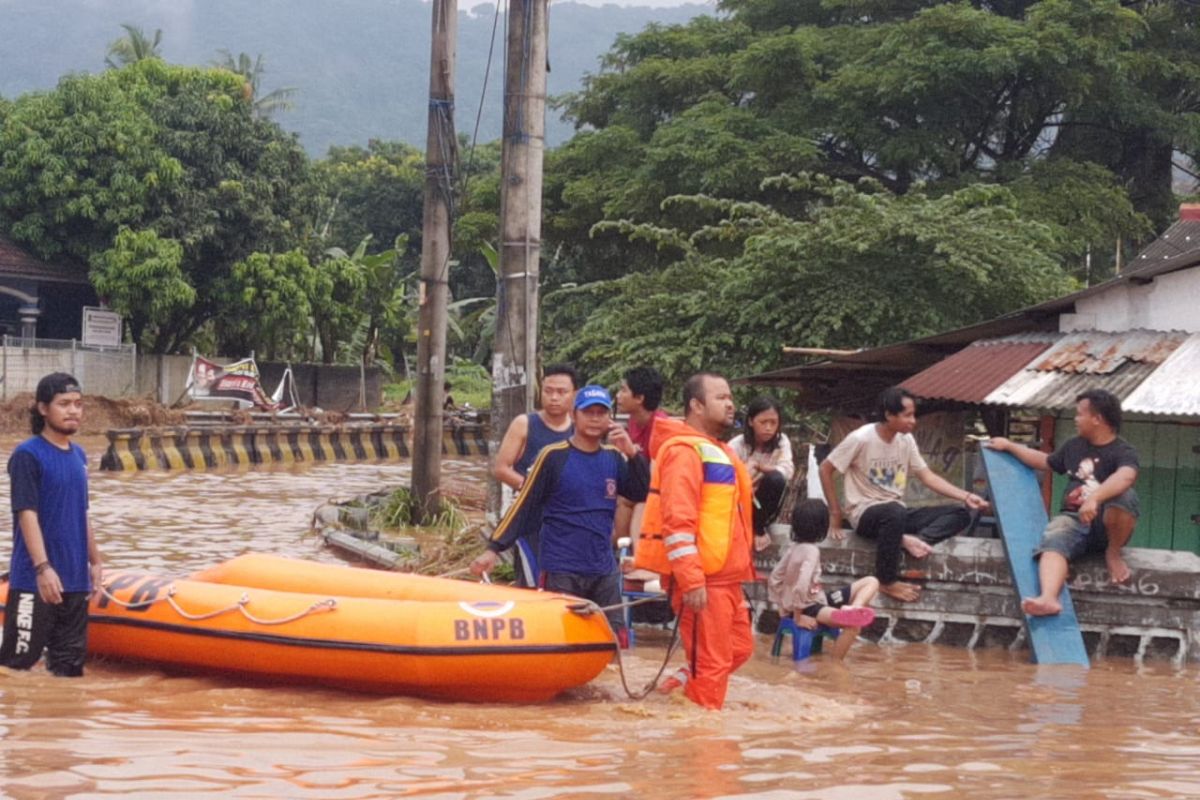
(716, 641)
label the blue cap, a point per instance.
(593, 395)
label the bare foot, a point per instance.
(1118, 570)
(904, 592)
(917, 548)
(1041, 606)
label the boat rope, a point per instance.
(328, 604)
(586, 608)
(653, 684)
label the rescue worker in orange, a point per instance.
(698, 533)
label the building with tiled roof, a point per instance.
(40, 298)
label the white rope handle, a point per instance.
(328, 604)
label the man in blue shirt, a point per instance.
(55, 561)
(571, 495)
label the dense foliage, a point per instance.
(950, 161)
(838, 173)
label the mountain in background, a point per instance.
(361, 67)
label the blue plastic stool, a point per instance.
(804, 642)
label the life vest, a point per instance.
(717, 515)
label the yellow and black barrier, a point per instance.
(211, 447)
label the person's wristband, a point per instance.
(38, 569)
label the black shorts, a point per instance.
(32, 625)
(834, 598)
(603, 590)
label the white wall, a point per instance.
(110, 373)
(1168, 303)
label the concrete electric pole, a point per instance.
(514, 364)
(440, 159)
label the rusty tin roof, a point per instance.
(1116, 361)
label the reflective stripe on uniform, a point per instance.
(679, 538)
(690, 550)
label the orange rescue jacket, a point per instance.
(697, 525)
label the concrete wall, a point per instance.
(968, 599)
(1168, 303)
(333, 388)
(163, 377)
(110, 373)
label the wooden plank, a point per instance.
(1017, 501)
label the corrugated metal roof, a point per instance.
(1182, 237)
(1096, 353)
(972, 373)
(1174, 388)
(1118, 362)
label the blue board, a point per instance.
(1021, 516)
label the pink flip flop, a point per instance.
(852, 617)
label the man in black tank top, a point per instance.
(524, 439)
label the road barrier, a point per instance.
(209, 447)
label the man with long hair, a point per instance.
(55, 561)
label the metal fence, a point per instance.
(109, 371)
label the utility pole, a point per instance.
(514, 363)
(440, 158)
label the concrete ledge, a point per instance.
(968, 599)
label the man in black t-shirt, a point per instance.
(1099, 506)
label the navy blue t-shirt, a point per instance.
(571, 496)
(53, 483)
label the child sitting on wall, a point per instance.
(795, 583)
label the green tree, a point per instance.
(908, 93)
(861, 267)
(161, 148)
(384, 322)
(134, 46)
(251, 70)
(266, 304)
(140, 277)
(377, 192)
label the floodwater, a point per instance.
(902, 721)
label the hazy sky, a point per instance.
(648, 3)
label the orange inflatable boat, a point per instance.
(281, 619)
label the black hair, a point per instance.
(891, 401)
(48, 388)
(647, 383)
(757, 406)
(810, 520)
(1104, 403)
(562, 369)
(693, 389)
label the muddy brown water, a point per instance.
(901, 721)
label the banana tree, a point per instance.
(483, 318)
